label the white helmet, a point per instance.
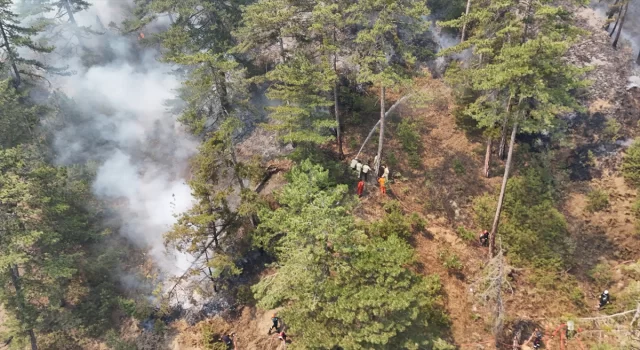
(606, 292)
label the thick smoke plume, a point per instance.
(122, 123)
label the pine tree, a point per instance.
(208, 229)
(338, 286)
(302, 87)
(525, 70)
(383, 46)
(624, 10)
(13, 37)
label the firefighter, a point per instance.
(604, 299)
(228, 339)
(274, 320)
(383, 188)
(484, 238)
(365, 171)
(354, 162)
(359, 169)
(537, 339)
(360, 187)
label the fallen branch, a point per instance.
(609, 316)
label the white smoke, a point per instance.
(125, 126)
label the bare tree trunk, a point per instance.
(67, 8)
(503, 136)
(624, 15)
(388, 113)
(638, 59)
(610, 14)
(381, 139)
(15, 280)
(464, 26)
(171, 20)
(503, 188)
(615, 26)
(487, 157)
(282, 55)
(335, 101)
(16, 73)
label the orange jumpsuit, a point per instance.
(383, 189)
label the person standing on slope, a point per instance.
(274, 320)
(604, 299)
(360, 187)
(365, 171)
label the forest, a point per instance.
(356, 174)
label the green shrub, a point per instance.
(612, 129)
(450, 260)
(458, 167)
(394, 222)
(244, 295)
(531, 228)
(409, 138)
(631, 164)
(597, 200)
(418, 222)
(465, 234)
(114, 342)
(601, 275)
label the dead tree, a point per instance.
(487, 157)
(335, 100)
(378, 162)
(388, 113)
(624, 15)
(495, 279)
(503, 189)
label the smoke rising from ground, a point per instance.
(121, 122)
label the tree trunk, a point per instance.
(638, 59)
(503, 136)
(615, 26)
(381, 139)
(67, 8)
(335, 102)
(464, 26)
(624, 15)
(171, 20)
(503, 188)
(610, 14)
(487, 157)
(281, 42)
(16, 73)
(15, 280)
(221, 86)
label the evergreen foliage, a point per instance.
(337, 285)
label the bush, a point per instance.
(532, 229)
(394, 222)
(611, 129)
(450, 260)
(601, 275)
(597, 200)
(465, 234)
(631, 164)
(458, 167)
(409, 138)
